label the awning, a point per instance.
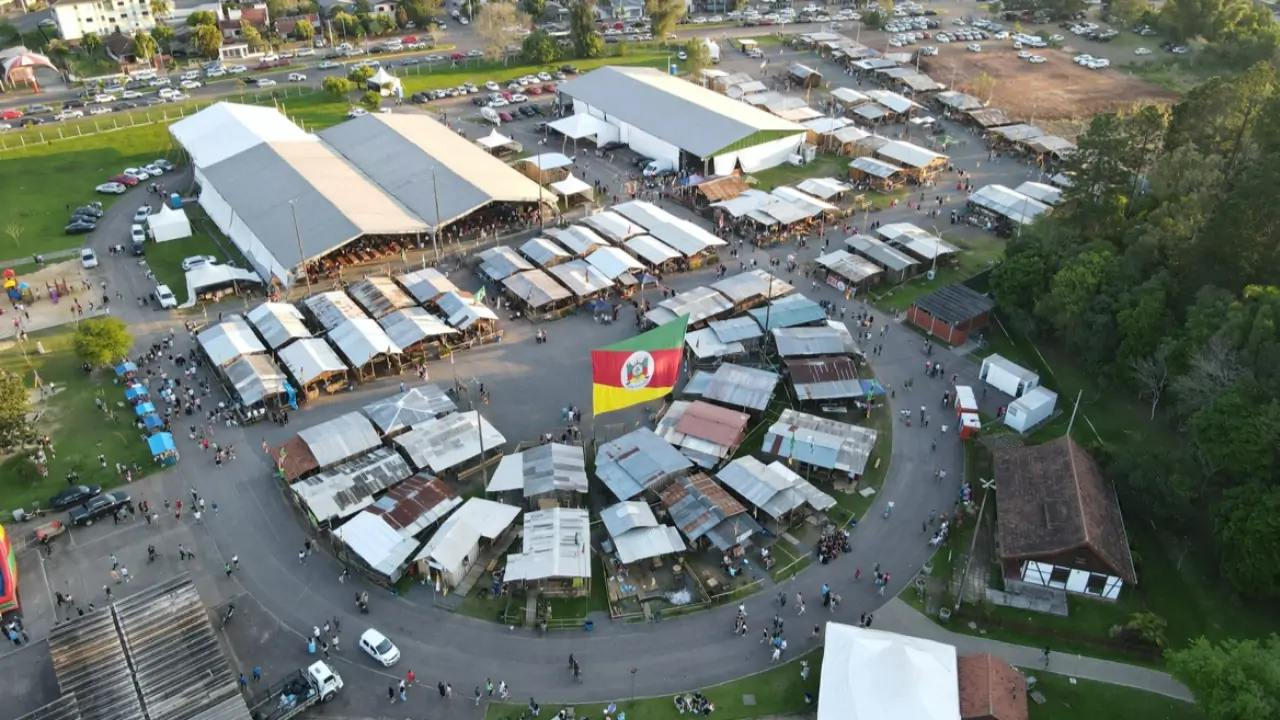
(580, 126)
(572, 186)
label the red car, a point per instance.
(10, 114)
(504, 117)
(534, 90)
(549, 88)
(125, 180)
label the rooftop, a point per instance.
(820, 442)
(636, 462)
(991, 689)
(402, 410)
(706, 433)
(542, 469)
(556, 544)
(773, 488)
(955, 304)
(349, 487)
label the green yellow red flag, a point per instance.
(638, 369)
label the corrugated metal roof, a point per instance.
(922, 244)
(1011, 204)
(820, 442)
(824, 187)
(957, 100)
(379, 296)
(310, 358)
(333, 308)
(806, 341)
(1019, 132)
(377, 543)
(644, 543)
(1047, 194)
(874, 167)
(613, 226)
(500, 262)
(849, 266)
(544, 252)
(255, 378)
(556, 544)
(704, 344)
(278, 323)
(581, 278)
(626, 516)
(410, 326)
(543, 469)
(463, 312)
(402, 410)
(742, 387)
(887, 257)
(178, 663)
(342, 437)
(736, 329)
(704, 432)
(426, 285)
(613, 263)
(415, 504)
(228, 340)
(773, 488)
(360, 340)
(64, 708)
(536, 288)
(293, 458)
(450, 441)
(788, 312)
(459, 533)
(637, 462)
(909, 154)
(684, 236)
(90, 662)
(824, 378)
(577, 239)
(699, 507)
(349, 487)
(700, 303)
(752, 284)
(651, 249)
(892, 100)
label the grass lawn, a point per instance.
(1068, 699)
(979, 251)
(435, 77)
(79, 431)
(777, 691)
(165, 259)
(786, 174)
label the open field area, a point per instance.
(1056, 90)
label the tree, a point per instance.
(144, 47)
(983, 87)
(498, 26)
(163, 35)
(664, 15)
(207, 40)
(1129, 11)
(15, 404)
(363, 7)
(421, 12)
(1162, 481)
(202, 17)
(91, 43)
(15, 230)
(1233, 680)
(159, 8)
(697, 56)
(338, 87)
(1152, 375)
(471, 8)
(582, 29)
(360, 75)
(402, 17)
(1150, 627)
(344, 24)
(1248, 527)
(251, 36)
(102, 340)
(371, 100)
(535, 8)
(8, 32)
(539, 48)
(304, 30)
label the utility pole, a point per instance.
(435, 229)
(302, 257)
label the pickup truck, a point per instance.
(289, 697)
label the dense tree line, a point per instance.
(1159, 271)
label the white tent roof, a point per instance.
(872, 674)
(376, 542)
(361, 340)
(463, 312)
(226, 129)
(613, 263)
(309, 358)
(461, 531)
(228, 340)
(208, 276)
(382, 77)
(549, 161)
(169, 224)
(580, 126)
(494, 140)
(571, 186)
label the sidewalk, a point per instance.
(897, 616)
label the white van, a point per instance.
(190, 75)
(659, 167)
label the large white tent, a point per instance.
(226, 129)
(872, 674)
(169, 224)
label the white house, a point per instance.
(76, 19)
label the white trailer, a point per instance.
(1033, 408)
(1008, 377)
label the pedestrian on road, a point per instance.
(571, 663)
(817, 630)
(800, 608)
(257, 673)
(448, 691)
(243, 682)
(391, 693)
(302, 556)
(440, 687)
(1046, 657)
(503, 691)
(478, 696)
(857, 574)
(488, 686)
(777, 653)
(114, 562)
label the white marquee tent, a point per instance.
(872, 674)
(169, 224)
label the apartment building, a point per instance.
(102, 17)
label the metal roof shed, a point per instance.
(824, 188)
(310, 359)
(636, 534)
(742, 387)
(228, 340)
(1014, 206)
(556, 545)
(278, 324)
(919, 243)
(651, 249)
(808, 341)
(613, 226)
(773, 488)
(788, 312)
(875, 168)
(499, 263)
(1019, 133)
(541, 470)
(579, 240)
(878, 252)
(892, 100)
(820, 442)
(754, 284)
(255, 378)
(361, 341)
(958, 101)
(613, 263)
(448, 442)
(543, 252)
(333, 308)
(736, 329)
(700, 303)
(343, 437)
(348, 487)
(414, 325)
(851, 267)
(705, 345)
(415, 504)
(379, 296)
(463, 312)
(638, 461)
(684, 236)
(426, 284)
(89, 661)
(581, 278)
(536, 288)
(1047, 194)
(706, 433)
(701, 508)
(377, 543)
(824, 378)
(848, 96)
(396, 413)
(908, 154)
(456, 544)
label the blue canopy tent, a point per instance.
(126, 368)
(163, 448)
(145, 408)
(597, 305)
(154, 422)
(136, 393)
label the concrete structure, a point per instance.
(77, 19)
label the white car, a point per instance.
(141, 214)
(304, 52)
(519, 98)
(491, 86)
(1142, 51)
(1056, 38)
(196, 261)
(215, 72)
(237, 69)
(69, 114)
(137, 174)
(297, 77)
(166, 93)
(1024, 54)
(682, 55)
(500, 103)
(104, 98)
(328, 65)
(356, 112)
(153, 170)
(130, 95)
(100, 110)
(1082, 59)
(973, 47)
(545, 77)
(1037, 60)
(1002, 35)
(379, 647)
(190, 84)
(111, 188)
(88, 259)
(165, 296)
(270, 58)
(265, 82)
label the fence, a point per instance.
(141, 117)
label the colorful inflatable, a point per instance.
(8, 574)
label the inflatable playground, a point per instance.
(8, 574)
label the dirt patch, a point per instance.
(1058, 93)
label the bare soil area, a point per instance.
(1056, 93)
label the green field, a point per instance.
(1070, 699)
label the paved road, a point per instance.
(279, 599)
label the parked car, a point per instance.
(94, 210)
(88, 259)
(163, 164)
(505, 117)
(104, 505)
(74, 495)
(165, 297)
(141, 214)
(111, 188)
(379, 648)
(122, 179)
(295, 77)
(80, 226)
(266, 82)
(137, 173)
(196, 261)
(70, 114)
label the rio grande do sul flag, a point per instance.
(638, 369)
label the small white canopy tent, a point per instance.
(494, 140)
(169, 224)
(871, 674)
(384, 81)
(571, 186)
(583, 125)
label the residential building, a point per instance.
(102, 17)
